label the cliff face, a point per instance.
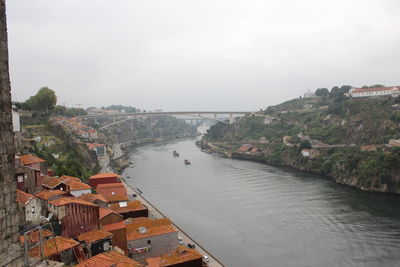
(349, 137)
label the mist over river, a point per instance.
(250, 214)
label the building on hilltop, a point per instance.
(369, 92)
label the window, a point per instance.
(106, 245)
(149, 242)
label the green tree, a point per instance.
(322, 92)
(45, 100)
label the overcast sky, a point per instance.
(199, 55)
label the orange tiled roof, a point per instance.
(130, 206)
(121, 260)
(73, 186)
(103, 212)
(92, 197)
(99, 260)
(51, 182)
(146, 222)
(104, 175)
(68, 200)
(120, 198)
(23, 198)
(114, 226)
(180, 255)
(33, 236)
(153, 228)
(54, 246)
(30, 159)
(47, 194)
(66, 177)
(94, 235)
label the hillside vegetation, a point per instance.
(335, 126)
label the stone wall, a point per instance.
(11, 216)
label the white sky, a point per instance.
(199, 55)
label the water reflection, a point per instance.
(251, 214)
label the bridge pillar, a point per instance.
(230, 118)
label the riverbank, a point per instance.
(312, 165)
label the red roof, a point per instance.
(114, 226)
(92, 197)
(30, 159)
(69, 200)
(121, 260)
(103, 212)
(47, 194)
(66, 177)
(99, 260)
(94, 235)
(111, 189)
(33, 236)
(180, 255)
(153, 227)
(23, 198)
(121, 198)
(104, 175)
(109, 259)
(73, 186)
(51, 182)
(54, 246)
(129, 206)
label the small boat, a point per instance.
(187, 162)
(175, 154)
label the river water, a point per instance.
(251, 214)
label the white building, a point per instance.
(367, 92)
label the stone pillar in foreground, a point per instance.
(11, 216)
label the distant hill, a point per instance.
(349, 136)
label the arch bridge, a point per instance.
(122, 117)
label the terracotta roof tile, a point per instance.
(47, 194)
(51, 182)
(68, 200)
(104, 175)
(153, 231)
(94, 235)
(130, 206)
(153, 227)
(116, 198)
(180, 255)
(99, 260)
(74, 185)
(121, 260)
(30, 159)
(33, 236)
(54, 246)
(66, 177)
(103, 212)
(23, 198)
(114, 226)
(111, 189)
(92, 197)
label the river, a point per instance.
(250, 214)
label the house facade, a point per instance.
(369, 92)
